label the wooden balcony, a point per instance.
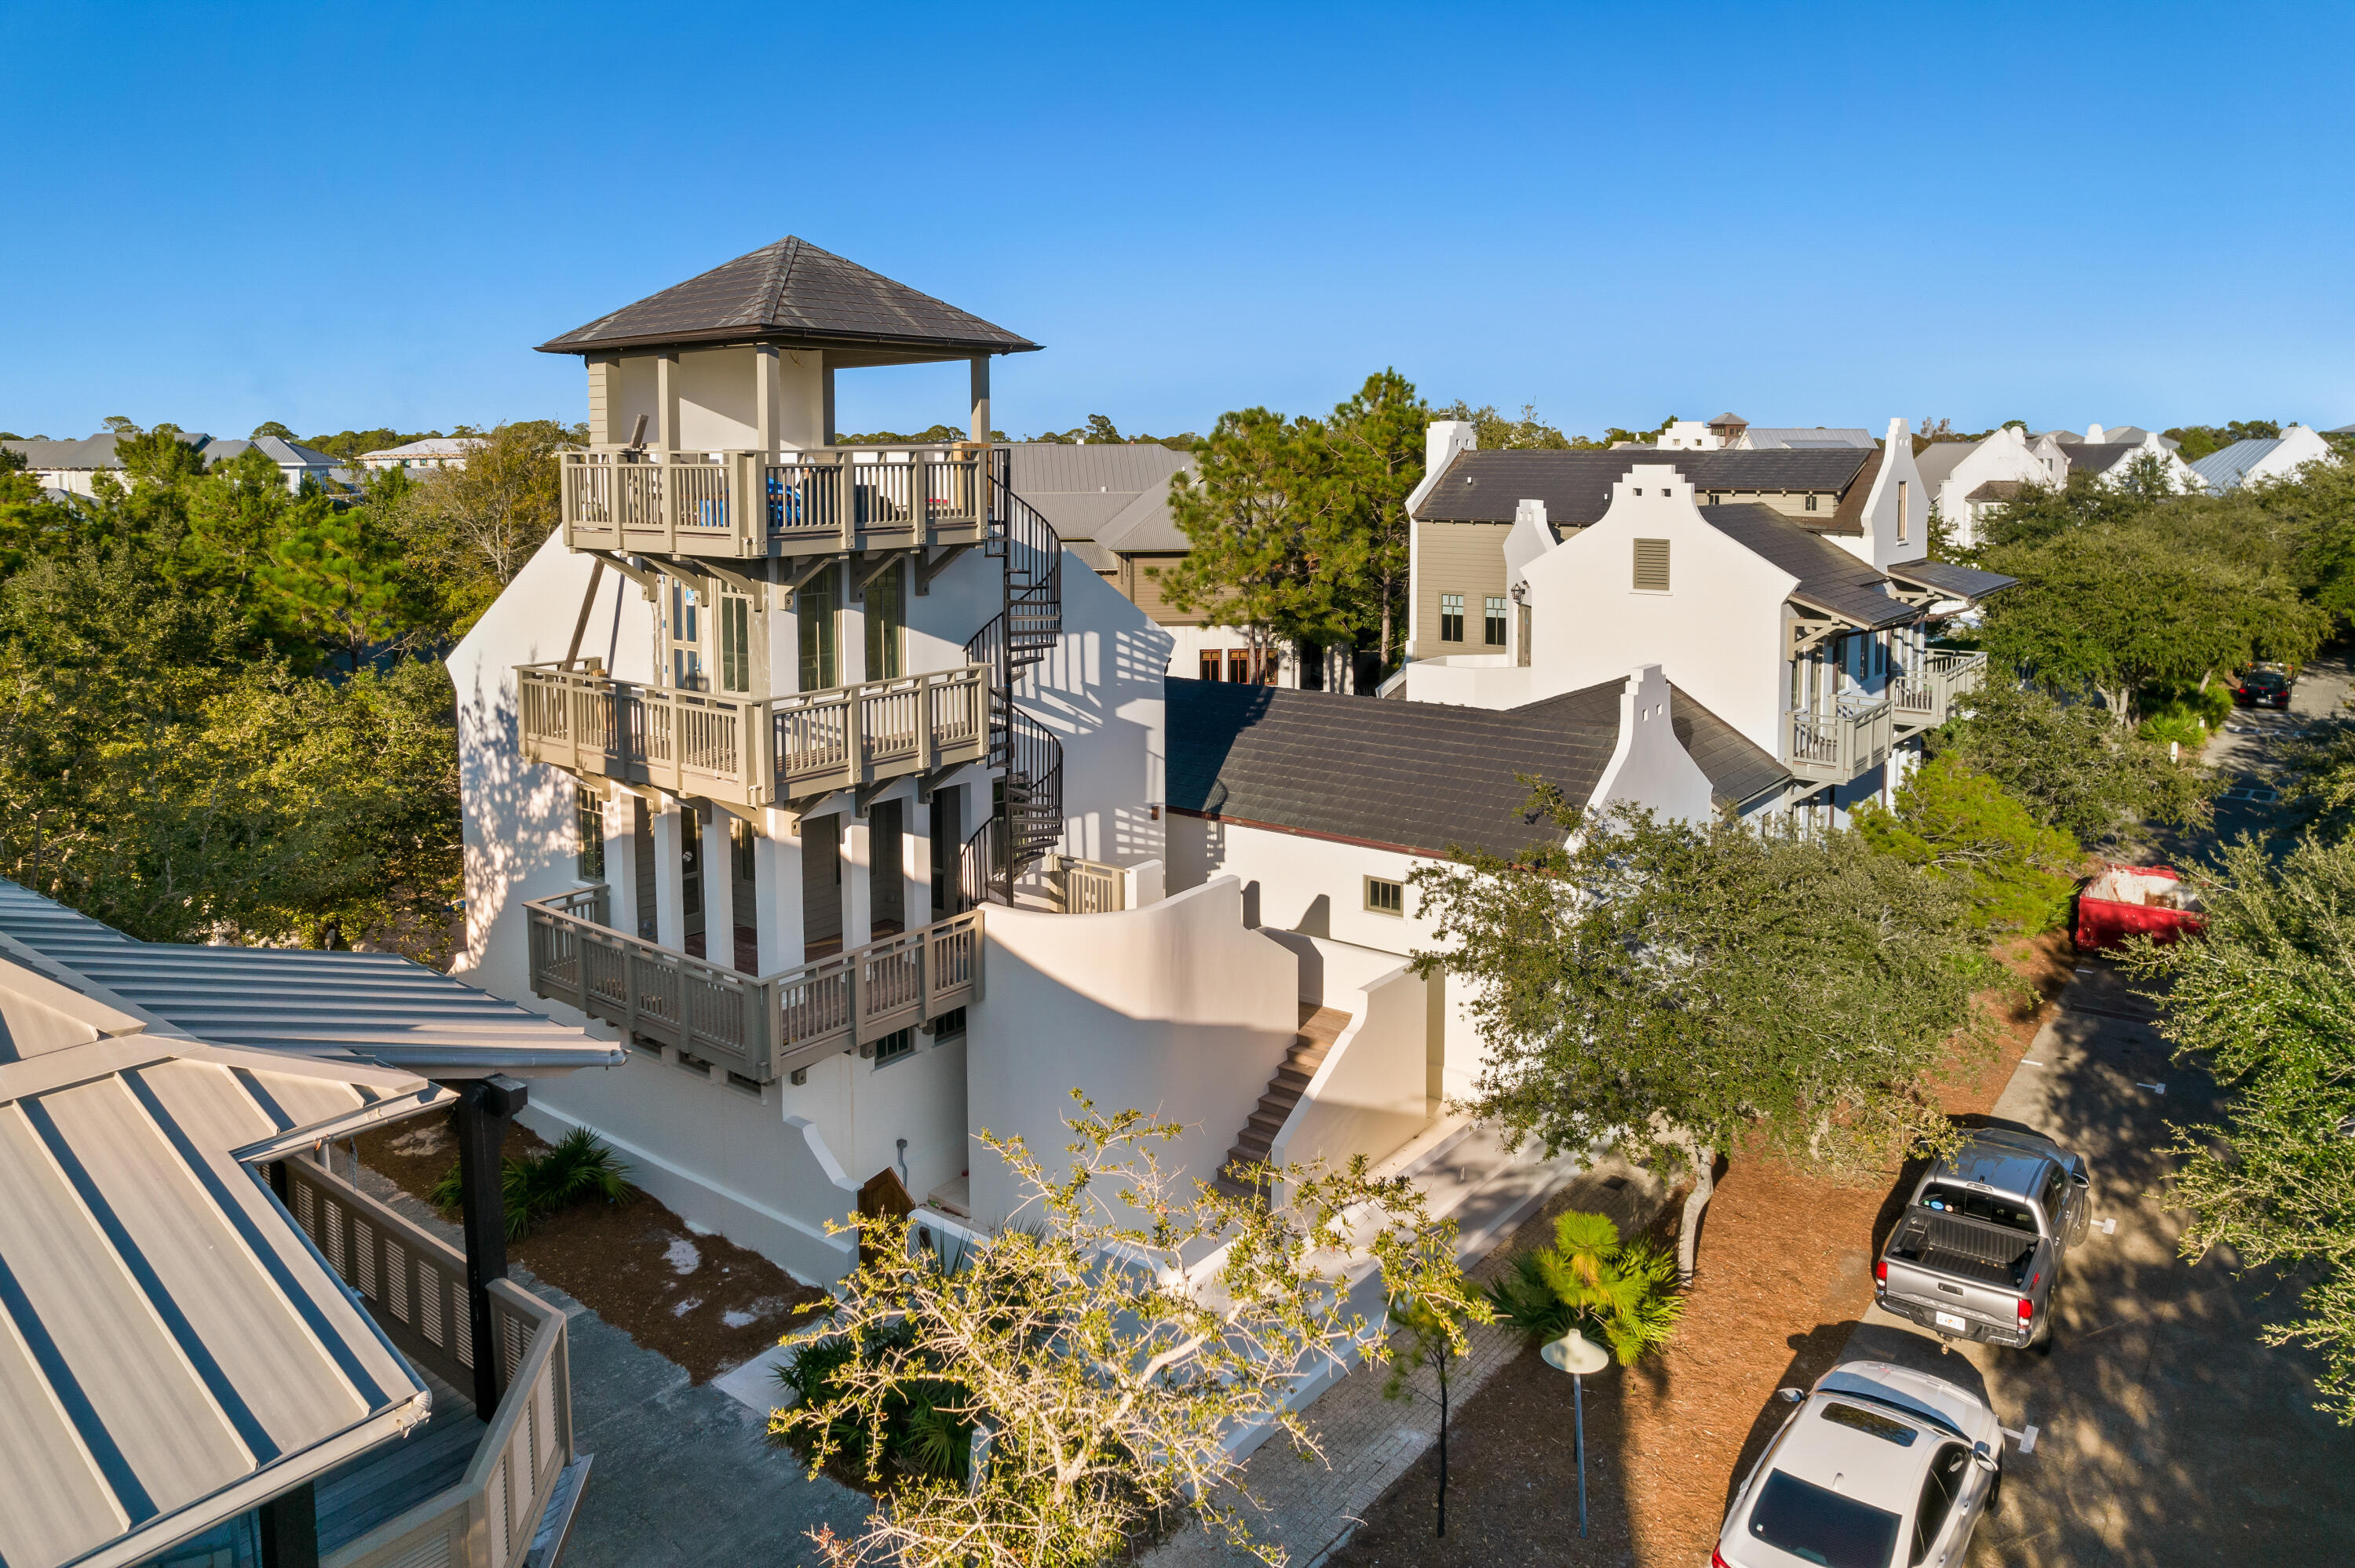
(739, 505)
(1834, 748)
(1087, 887)
(759, 1029)
(461, 1491)
(747, 753)
(1924, 698)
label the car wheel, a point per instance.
(1995, 1492)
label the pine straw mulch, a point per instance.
(698, 1300)
(1786, 1269)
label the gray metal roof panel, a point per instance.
(1830, 579)
(1486, 486)
(1945, 577)
(2103, 458)
(2225, 467)
(372, 1006)
(1082, 489)
(172, 1350)
(1770, 438)
(792, 289)
(1937, 461)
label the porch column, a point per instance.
(826, 397)
(670, 888)
(622, 810)
(666, 402)
(485, 1108)
(719, 889)
(777, 883)
(857, 898)
(981, 399)
(768, 397)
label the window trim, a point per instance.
(1456, 615)
(1374, 906)
(1496, 629)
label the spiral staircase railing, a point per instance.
(1028, 823)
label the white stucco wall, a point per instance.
(1371, 1093)
(2004, 456)
(1717, 632)
(1649, 766)
(1176, 1009)
(1099, 691)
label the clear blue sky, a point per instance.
(349, 215)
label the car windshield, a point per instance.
(1873, 1421)
(1988, 1206)
(1816, 1524)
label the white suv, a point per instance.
(1881, 1467)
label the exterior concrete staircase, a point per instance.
(1243, 1174)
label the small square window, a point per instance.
(1492, 621)
(1385, 897)
(749, 1086)
(1451, 618)
(1811, 503)
(693, 1064)
(893, 1047)
(948, 1025)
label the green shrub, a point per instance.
(576, 1169)
(1959, 823)
(1590, 1277)
(2186, 714)
(926, 1430)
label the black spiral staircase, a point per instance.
(1027, 822)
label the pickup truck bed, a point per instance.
(1965, 1248)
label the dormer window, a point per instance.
(1811, 502)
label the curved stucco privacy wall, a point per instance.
(1177, 1009)
(1372, 1093)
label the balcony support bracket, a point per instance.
(636, 574)
(933, 567)
(860, 576)
(1807, 632)
(753, 589)
(928, 781)
(794, 582)
(866, 794)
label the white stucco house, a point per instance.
(1966, 480)
(1788, 591)
(2256, 461)
(1731, 432)
(432, 452)
(831, 783)
(73, 466)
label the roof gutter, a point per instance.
(732, 337)
(351, 1124)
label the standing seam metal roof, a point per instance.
(1830, 579)
(369, 1006)
(173, 1350)
(2224, 468)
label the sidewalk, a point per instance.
(1369, 1441)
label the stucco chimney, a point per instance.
(1442, 440)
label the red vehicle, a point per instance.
(2135, 901)
(2264, 686)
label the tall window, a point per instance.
(1451, 618)
(687, 638)
(1211, 663)
(1811, 501)
(589, 824)
(887, 622)
(735, 643)
(1905, 509)
(1492, 634)
(816, 607)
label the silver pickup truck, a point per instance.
(1978, 1251)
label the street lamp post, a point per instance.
(1578, 1356)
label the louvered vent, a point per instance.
(1651, 565)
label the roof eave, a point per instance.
(946, 348)
(1901, 613)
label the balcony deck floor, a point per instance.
(386, 1482)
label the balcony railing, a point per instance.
(760, 1029)
(748, 752)
(1924, 698)
(748, 503)
(1834, 748)
(1088, 887)
(414, 1285)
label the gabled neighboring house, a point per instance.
(1731, 432)
(433, 451)
(2109, 460)
(2252, 462)
(1324, 805)
(1968, 480)
(74, 466)
(1814, 646)
(295, 461)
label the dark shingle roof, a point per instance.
(794, 291)
(1417, 776)
(1830, 579)
(1483, 487)
(1962, 582)
(1738, 771)
(2103, 458)
(1997, 490)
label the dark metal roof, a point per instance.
(1830, 579)
(1997, 490)
(1484, 487)
(2100, 458)
(1962, 582)
(1420, 777)
(793, 291)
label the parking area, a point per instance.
(2166, 1432)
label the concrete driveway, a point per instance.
(2167, 1433)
